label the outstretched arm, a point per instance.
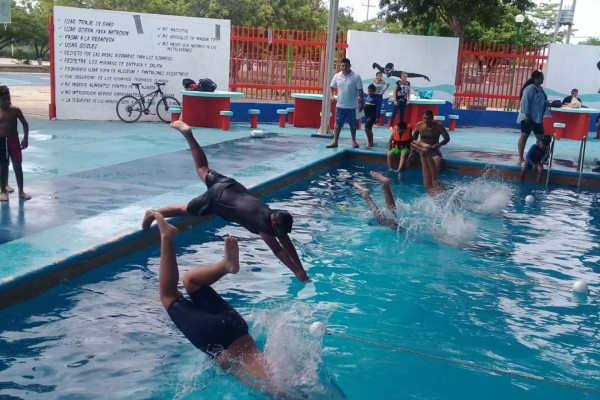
(378, 67)
(25, 141)
(285, 251)
(410, 75)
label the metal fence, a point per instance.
(490, 76)
(270, 64)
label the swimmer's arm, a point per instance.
(445, 136)
(288, 258)
(21, 117)
(415, 134)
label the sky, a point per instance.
(585, 21)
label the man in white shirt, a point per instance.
(349, 98)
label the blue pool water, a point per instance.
(472, 300)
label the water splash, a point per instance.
(294, 354)
(446, 216)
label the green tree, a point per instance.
(19, 30)
(591, 42)
(37, 33)
(456, 14)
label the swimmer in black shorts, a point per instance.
(230, 200)
(206, 319)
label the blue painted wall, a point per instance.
(500, 119)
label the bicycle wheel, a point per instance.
(162, 108)
(129, 109)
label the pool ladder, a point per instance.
(550, 159)
(580, 161)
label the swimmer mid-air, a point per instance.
(389, 70)
(230, 200)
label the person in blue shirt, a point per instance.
(537, 155)
(372, 105)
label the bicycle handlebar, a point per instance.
(159, 84)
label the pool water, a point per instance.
(471, 299)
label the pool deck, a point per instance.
(91, 183)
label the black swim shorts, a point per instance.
(208, 321)
(537, 129)
(215, 184)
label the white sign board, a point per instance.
(574, 67)
(99, 54)
(420, 56)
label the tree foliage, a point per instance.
(456, 14)
(591, 42)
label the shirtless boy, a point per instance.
(428, 132)
(9, 144)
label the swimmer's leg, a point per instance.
(200, 160)
(206, 275)
(403, 161)
(387, 191)
(168, 275)
(366, 194)
(3, 181)
(177, 210)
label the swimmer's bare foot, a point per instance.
(364, 192)
(231, 260)
(9, 189)
(3, 196)
(24, 196)
(182, 127)
(166, 230)
(380, 178)
(148, 219)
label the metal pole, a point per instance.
(571, 24)
(556, 24)
(514, 61)
(327, 76)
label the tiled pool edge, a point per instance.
(24, 286)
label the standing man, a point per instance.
(349, 98)
(429, 132)
(10, 145)
(231, 201)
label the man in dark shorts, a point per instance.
(205, 318)
(230, 200)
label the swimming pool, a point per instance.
(440, 310)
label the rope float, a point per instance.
(465, 363)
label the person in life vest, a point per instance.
(399, 146)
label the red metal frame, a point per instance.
(490, 76)
(52, 105)
(270, 64)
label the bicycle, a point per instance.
(130, 107)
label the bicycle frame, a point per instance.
(152, 94)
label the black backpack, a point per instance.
(189, 84)
(206, 85)
(556, 104)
